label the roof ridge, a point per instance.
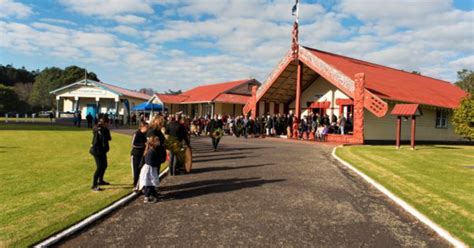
(379, 65)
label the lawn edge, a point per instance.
(55, 238)
(407, 207)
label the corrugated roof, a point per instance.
(394, 84)
(206, 93)
(166, 98)
(405, 109)
(123, 91)
(232, 98)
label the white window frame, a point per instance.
(442, 118)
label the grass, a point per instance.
(12, 119)
(46, 173)
(437, 180)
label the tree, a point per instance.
(416, 72)
(52, 78)
(466, 80)
(463, 119)
(48, 80)
(8, 99)
(172, 92)
(10, 75)
(148, 91)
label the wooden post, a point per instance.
(399, 131)
(413, 127)
(299, 74)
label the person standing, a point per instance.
(89, 119)
(138, 149)
(79, 119)
(155, 155)
(215, 130)
(176, 131)
(99, 149)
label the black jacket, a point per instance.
(100, 141)
(214, 124)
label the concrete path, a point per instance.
(261, 192)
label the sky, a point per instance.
(179, 44)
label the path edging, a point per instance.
(91, 219)
(407, 207)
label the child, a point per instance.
(138, 149)
(149, 177)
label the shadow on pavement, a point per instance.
(222, 168)
(218, 159)
(196, 189)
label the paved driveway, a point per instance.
(261, 192)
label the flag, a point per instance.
(294, 10)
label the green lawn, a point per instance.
(46, 173)
(23, 119)
(436, 180)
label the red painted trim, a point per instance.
(299, 75)
(399, 131)
(342, 101)
(267, 85)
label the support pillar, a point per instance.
(299, 74)
(358, 118)
(413, 127)
(254, 102)
(57, 106)
(399, 131)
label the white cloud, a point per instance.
(246, 38)
(126, 30)
(129, 19)
(10, 8)
(58, 21)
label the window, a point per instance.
(441, 119)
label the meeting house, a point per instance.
(378, 100)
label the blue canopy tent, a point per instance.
(146, 106)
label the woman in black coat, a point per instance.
(99, 149)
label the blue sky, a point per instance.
(178, 44)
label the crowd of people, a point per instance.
(149, 142)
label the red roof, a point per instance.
(207, 93)
(232, 98)
(394, 84)
(125, 92)
(404, 109)
(171, 98)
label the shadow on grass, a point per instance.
(196, 189)
(435, 147)
(224, 168)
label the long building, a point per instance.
(311, 80)
(220, 98)
(89, 96)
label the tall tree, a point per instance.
(466, 80)
(463, 119)
(48, 80)
(52, 78)
(10, 75)
(8, 99)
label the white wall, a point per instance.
(385, 128)
(327, 92)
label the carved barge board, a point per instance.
(371, 102)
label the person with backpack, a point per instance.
(99, 149)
